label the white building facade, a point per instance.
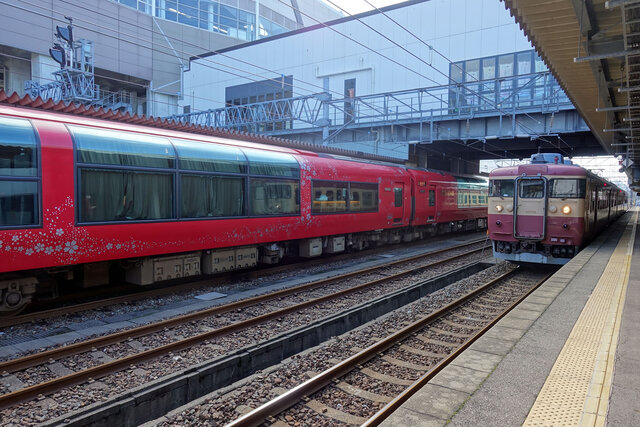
(357, 61)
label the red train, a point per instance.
(546, 211)
(83, 201)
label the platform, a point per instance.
(568, 355)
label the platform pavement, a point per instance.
(10, 347)
(497, 380)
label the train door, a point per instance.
(530, 211)
(398, 202)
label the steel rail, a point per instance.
(27, 393)
(315, 384)
(68, 350)
(135, 296)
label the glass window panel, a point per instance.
(109, 195)
(170, 10)
(488, 68)
(472, 71)
(524, 62)
(539, 64)
(505, 65)
(457, 72)
(329, 196)
(121, 148)
(211, 196)
(432, 198)
(229, 12)
(19, 203)
(130, 3)
(274, 197)
(18, 148)
(188, 12)
(531, 189)
(568, 188)
(364, 197)
(502, 188)
(202, 156)
(397, 200)
(272, 163)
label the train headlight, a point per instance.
(510, 208)
(553, 209)
(566, 209)
(499, 208)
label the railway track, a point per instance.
(407, 359)
(131, 293)
(207, 326)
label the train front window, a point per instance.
(502, 188)
(19, 176)
(568, 188)
(531, 189)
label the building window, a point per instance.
(19, 174)
(3, 79)
(270, 117)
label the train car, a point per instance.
(546, 211)
(86, 201)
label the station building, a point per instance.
(141, 47)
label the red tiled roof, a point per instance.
(156, 122)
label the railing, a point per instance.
(536, 92)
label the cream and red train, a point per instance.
(546, 211)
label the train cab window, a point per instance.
(202, 156)
(568, 188)
(19, 176)
(269, 163)
(531, 189)
(502, 188)
(123, 176)
(274, 197)
(108, 147)
(432, 198)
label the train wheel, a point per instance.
(16, 294)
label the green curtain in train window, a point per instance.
(211, 196)
(114, 195)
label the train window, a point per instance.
(330, 196)
(397, 200)
(18, 203)
(432, 198)
(274, 197)
(202, 156)
(502, 188)
(108, 147)
(18, 148)
(272, 163)
(531, 189)
(115, 195)
(568, 188)
(205, 196)
(367, 200)
(19, 177)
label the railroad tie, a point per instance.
(386, 378)
(336, 414)
(357, 391)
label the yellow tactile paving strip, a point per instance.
(577, 390)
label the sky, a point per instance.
(357, 6)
